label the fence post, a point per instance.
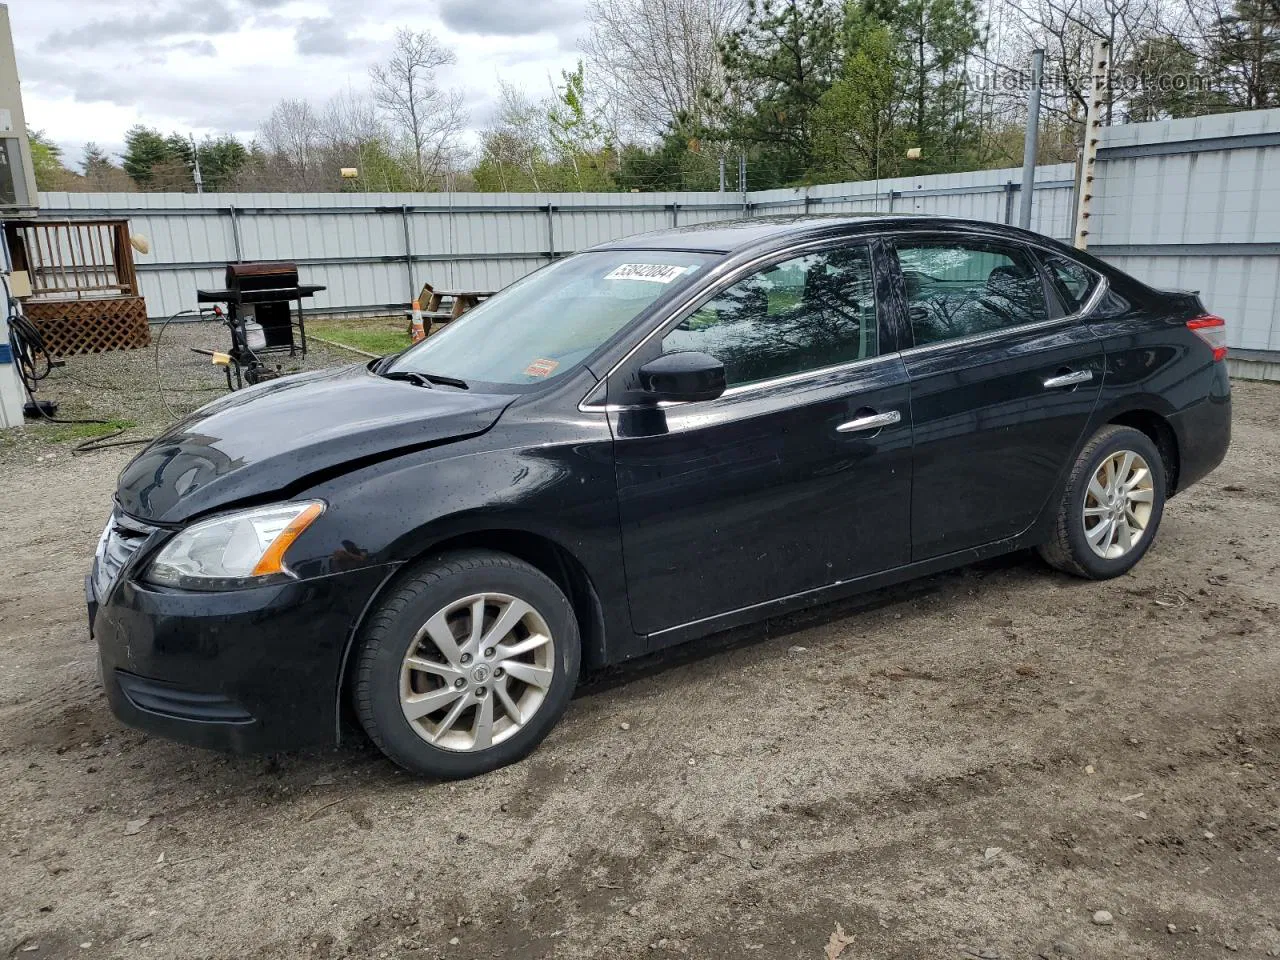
(408, 249)
(675, 214)
(235, 233)
(1100, 69)
(1032, 136)
(1009, 188)
(551, 231)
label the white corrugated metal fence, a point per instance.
(1192, 204)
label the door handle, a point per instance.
(1068, 379)
(872, 421)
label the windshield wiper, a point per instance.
(441, 379)
(408, 376)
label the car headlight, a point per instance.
(234, 548)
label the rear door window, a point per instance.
(958, 288)
(1074, 283)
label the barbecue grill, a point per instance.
(259, 314)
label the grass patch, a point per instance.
(60, 432)
(381, 335)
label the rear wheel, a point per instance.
(1112, 505)
(468, 665)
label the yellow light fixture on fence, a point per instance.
(350, 173)
(913, 153)
(140, 242)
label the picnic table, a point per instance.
(441, 306)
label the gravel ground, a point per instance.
(972, 765)
(145, 388)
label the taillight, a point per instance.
(1213, 331)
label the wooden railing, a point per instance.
(74, 259)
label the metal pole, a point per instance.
(408, 250)
(195, 157)
(742, 181)
(1033, 132)
(722, 174)
(235, 233)
(551, 231)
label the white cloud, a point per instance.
(92, 68)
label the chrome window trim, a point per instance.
(738, 272)
(728, 279)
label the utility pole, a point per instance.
(722, 173)
(195, 157)
(1032, 138)
(742, 180)
(1100, 68)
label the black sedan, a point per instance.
(640, 444)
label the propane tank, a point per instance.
(255, 338)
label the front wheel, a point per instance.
(467, 665)
(1111, 508)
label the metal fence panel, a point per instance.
(1192, 204)
(374, 251)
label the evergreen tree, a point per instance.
(221, 160)
(935, 37)
(777, 67)
(144, 149)
(1244, 55)
(858, 133)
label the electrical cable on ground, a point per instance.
(35, 363)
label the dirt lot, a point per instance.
(971, 765)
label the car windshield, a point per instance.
(546, 324)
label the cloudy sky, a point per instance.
(90, 69)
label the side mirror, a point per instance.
(683, 377)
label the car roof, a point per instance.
(732, 236)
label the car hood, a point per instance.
(283, 436)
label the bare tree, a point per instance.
(428, 118)
(350, 118)
(515, 148)
(658, 59)
(1067, 30)
(291, 135)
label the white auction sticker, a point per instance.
(652, 272)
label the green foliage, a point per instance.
(46, 157)
(95, 161)
(858, 136)
(144, 149)
(380, 336)
(221, 160)
(80, 431)
(1154, 98)
(933, 38)
(578, 143)
(1244, 55)
(778, 66)
(678, 162)
(557, 144)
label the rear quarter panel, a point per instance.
(1154, 363)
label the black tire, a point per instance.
(429, 587)
(1067, 549)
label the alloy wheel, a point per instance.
(1118, 503)
(477, 671)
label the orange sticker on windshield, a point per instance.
(541, 368)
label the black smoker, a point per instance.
(259, 298)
